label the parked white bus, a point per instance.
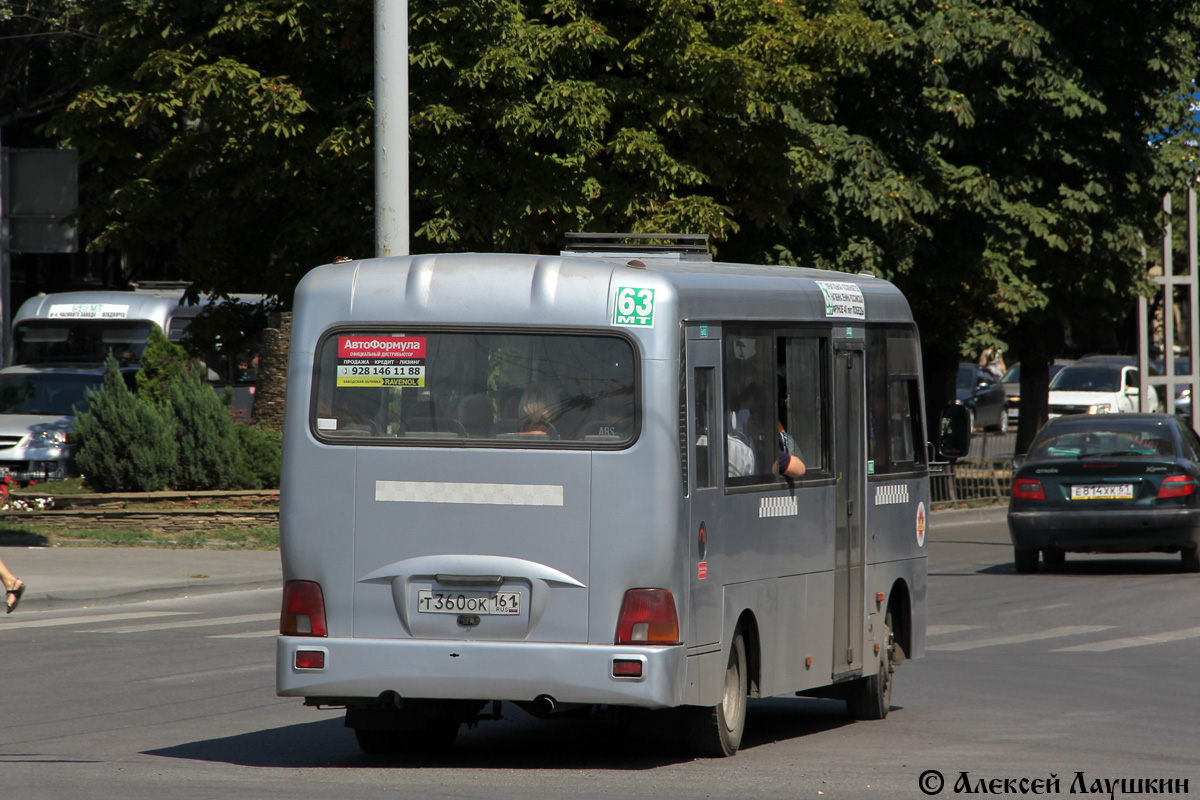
(553, 480)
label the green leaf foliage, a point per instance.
(163, 363)
(530, 119)
(125, 443)
(232, 141)
(209, 450)
(262, 456)
(1004, 162)
(226, 141)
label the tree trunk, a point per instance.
(1036, 342)
(1035, 383)
(941, 370)
(271, 386)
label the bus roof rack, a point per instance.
(158, 286)
(680, 246)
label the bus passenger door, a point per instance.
(849, 466)
(705, 460)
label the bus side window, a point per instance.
(751, 430)
(802, 392)
(703, 424)
(895, 426)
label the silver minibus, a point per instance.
(555, 481)
(82, 327)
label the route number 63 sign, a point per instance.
(634, 307)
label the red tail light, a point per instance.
(1177, 486)
(303, 610)
(1028, 489)
(648, 617)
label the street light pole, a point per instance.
(391, 128)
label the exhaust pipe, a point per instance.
(545, 705)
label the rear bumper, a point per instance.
(457, 670)
(1106, 531)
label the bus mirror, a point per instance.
(954, 436)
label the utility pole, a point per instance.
(391, 128)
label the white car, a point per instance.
(38, 404)
(1097, 387)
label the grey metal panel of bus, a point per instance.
(158, 307)
(350, 522)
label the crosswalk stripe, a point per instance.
(1051, 633)
(191, 623)
(942, 630)
(89, 619)
(1132, 641)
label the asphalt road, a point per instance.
(1091, 671)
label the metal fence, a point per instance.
(985, 475)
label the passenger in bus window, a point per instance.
(789, 462)
(476, 414)
(539, 406)
(739, 455)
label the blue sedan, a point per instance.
(1112, 483)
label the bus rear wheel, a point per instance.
(387, 731)
(717, 732)
(871, 698)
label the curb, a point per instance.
(164, 590)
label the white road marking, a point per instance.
(941, 630)
(1051, 633)
(250, 635)
(90, 619)
(1132, 641)
(191, 623)
(208, 673)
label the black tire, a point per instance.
(1054, 560)
(437, 737)
(1191, 559)
(1002, 425)
(872, 696)
(971, 419)
(1026, 560)
(717, 732)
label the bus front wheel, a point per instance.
(717, 731)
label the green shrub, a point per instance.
(125, 443)
(163, 363)
(262, 456)
(209, 452)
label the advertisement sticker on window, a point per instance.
(381, 361)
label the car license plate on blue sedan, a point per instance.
(431, 602)
(1103, 491)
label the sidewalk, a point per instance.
(74, 577)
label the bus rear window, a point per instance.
(475, 389)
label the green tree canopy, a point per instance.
(531, 119)
(227, 140)
(234, 139)
(1004, 162)
(44, 45)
